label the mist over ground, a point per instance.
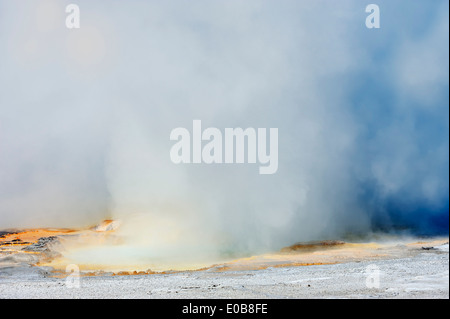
(363, 118)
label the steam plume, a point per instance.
(85, 118)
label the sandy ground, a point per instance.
(410, 269)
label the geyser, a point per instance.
(363, 115)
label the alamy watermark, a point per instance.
(373, 276)
(73, 17)
(373, 19)
(73, 279)
(235, 145)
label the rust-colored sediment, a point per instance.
(297, 255)
(24, 238)
(33, 235)
(311, 246)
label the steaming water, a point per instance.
(85, 118)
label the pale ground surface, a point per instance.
(406, 270)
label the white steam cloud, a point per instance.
(85, 118)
